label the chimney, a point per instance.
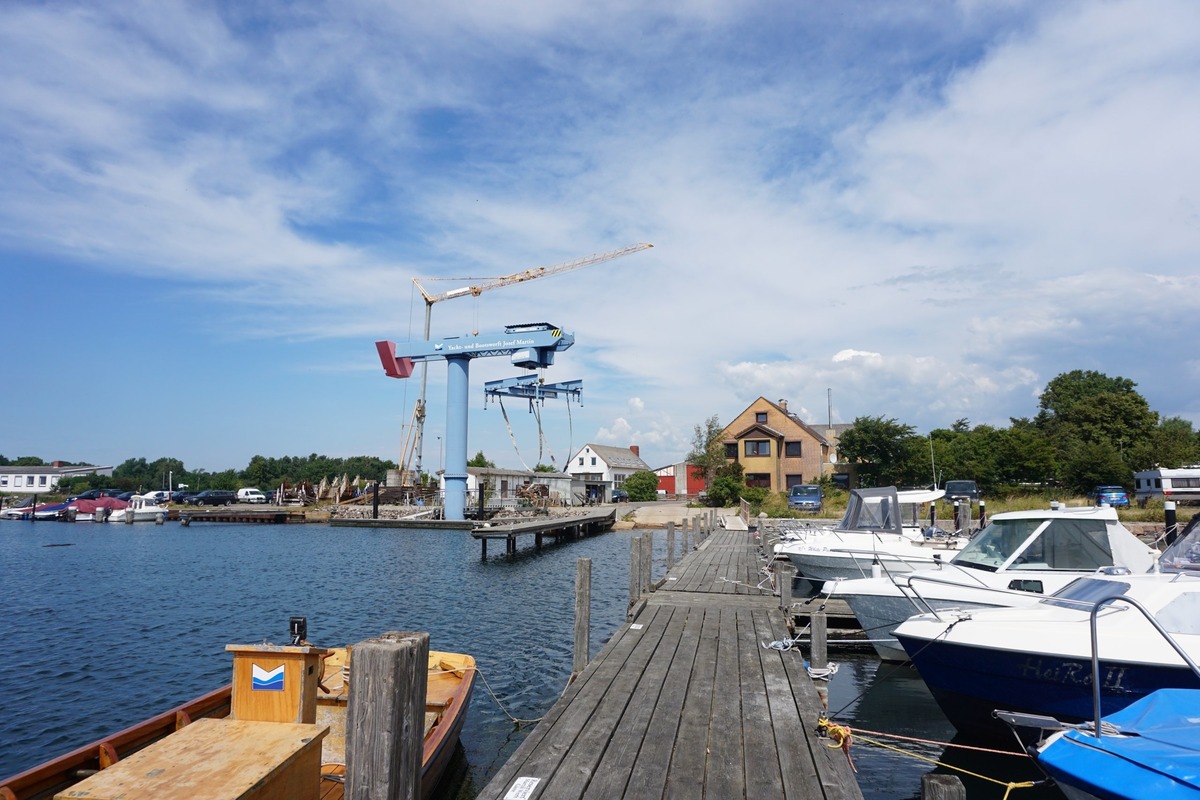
(633, 448)
(783, 405)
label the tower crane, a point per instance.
(487, 284)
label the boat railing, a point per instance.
(1096, 647)
(875, 559)
(978, 585)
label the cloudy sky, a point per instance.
(923, 210)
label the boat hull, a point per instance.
(969, 682)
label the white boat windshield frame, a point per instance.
(1047, 544)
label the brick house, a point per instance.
(776, 448)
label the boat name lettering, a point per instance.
(1071, 673)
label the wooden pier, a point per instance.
(685, 702)
(268, 517)
(558, 527)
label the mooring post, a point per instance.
(375, 502)
(784, 572)
(820, 640)
(670, 544)
(982, 513)
(1172, 524)
(635, 570)
(683, 528)
(647, 561)
(935, 786)
(583, 614)
(385, 719)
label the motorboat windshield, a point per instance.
(885, 510)
(1183, 554)
(1039, 544)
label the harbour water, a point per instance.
(105, 625)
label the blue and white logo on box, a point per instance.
(266, 681)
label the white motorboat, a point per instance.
(1018, 559)
(1039, 659)
(143, 508)
(881, 530)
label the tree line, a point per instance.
(1090, 429)
(138, 474)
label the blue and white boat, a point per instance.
(1150, 749)
(1039, 659)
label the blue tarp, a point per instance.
(1157, 756)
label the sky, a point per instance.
(925, 211)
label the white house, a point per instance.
(600, 468)
(507, 488)
(35, 480)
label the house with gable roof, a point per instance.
(599, 469)
(776, 448)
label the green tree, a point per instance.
(480, 460)
(1173, 444)
(885, 452)
(728, 485)
(544, 468)
(708, 450)
(1091, 464)
(642, 486)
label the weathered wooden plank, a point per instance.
(649, 775)
(560, 726)
(724, 773)
(763, 777)
(685, 777)
(614, 771)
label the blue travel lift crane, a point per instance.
(530, 346)
(536, 390)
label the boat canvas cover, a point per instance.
(1160, 748)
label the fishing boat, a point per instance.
(881, 529)
(1017, 560)
(1148, 750)
(1103, 641)
(211, 729)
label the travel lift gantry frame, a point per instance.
(534, 389)
(531, 345)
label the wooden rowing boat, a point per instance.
(450, 681)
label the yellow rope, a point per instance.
(843, 737)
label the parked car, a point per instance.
(1115, 496)
(212, 497)
(182, 495)
(95, 494)
(248, 495)
(961, 490)
(159, 496)
(620, 496)
(806, 497)
(126, 496)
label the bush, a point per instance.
(642, 486)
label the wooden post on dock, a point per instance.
(819, 657)
(374, 502)
(635, 570)
(670, 544)
(684, 530)
(935, 786)
(784, 572)
(583, 614)
(385, 719)
(647, 561)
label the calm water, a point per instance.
(127, 621)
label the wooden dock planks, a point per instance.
(684, 702)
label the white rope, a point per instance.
(511, 435)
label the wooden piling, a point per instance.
(385, 718)
(670, 544)
(647, 560)
(784, 572)
(819, 633)
(936, 786)
(583, 614)
(635, 570)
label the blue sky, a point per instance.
(210, 211)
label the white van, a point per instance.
(250, 496)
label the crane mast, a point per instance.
(474, 290)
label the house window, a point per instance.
(593, 461)
(758, 447)
(4, 480)
(760, 416)
(791, 449)
(17, 481)
(793, 480)
(731, 450)
(762, 479)
(581, 461)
